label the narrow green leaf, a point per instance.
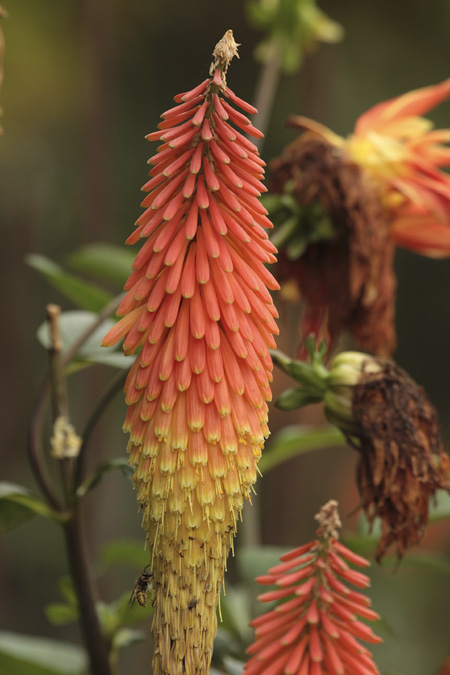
(73, 325)
(85, 295)
(428, 561)
(129, 613)
(120, 464)
(127, 637)
(18, 506)
(254, 561)
(294, 398)
(297, 246)
(25, 655)
(67, 590)
(296, 440)
(60, 614)
(235, 610)
(103, 262)
(233, 666)
(125, 552)
(283, 233)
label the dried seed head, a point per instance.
(390, 421)
(329, 520)
(224, 52)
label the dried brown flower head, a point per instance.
(346, 282)
(388, 418)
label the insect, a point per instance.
(139, 592)
(192, 603)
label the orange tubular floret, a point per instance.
(198, 311)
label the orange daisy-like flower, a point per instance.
(359, 197)
(315, 629)
(200, 317)
(403, 154)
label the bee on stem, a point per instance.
(139, 592)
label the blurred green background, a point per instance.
(84, 82)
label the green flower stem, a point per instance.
(314, 377)
(81, 572)
(58, 394)
(78, 560)
(116, 384)
(266, 90)
(297, 440)
(265, 95)
(54, 385)
(35, 449)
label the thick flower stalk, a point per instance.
(200, 317)
(315, 628)
(389, 420)
(381, 187)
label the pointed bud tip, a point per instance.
(224, 52)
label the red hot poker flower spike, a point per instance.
(315, 629)
(201, 320)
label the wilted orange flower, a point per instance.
(380, 187)
(199, 315)
(403, 154)
(315, 629)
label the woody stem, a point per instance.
(74, 532)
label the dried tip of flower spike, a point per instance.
(329, 520)
(224, 52)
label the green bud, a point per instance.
(346, 373)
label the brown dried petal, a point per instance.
(348, 281)
(402, 461)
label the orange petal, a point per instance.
(426, 236)
(412, 103)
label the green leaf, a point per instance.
(254, 561)
(25, 655)
(440, 509)
(284, 233)
(60, 614)
(127, 637)
(233, 666)
(73, 325)
(103, 262)
(18, 506)
(67, 590)
(235, 610)
(428, 561)
(296, 440)
(125, 552)
(120, 464)
(297, 246)
(114, 615)
(85, 295)
(294, 398)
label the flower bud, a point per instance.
(345, 374)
